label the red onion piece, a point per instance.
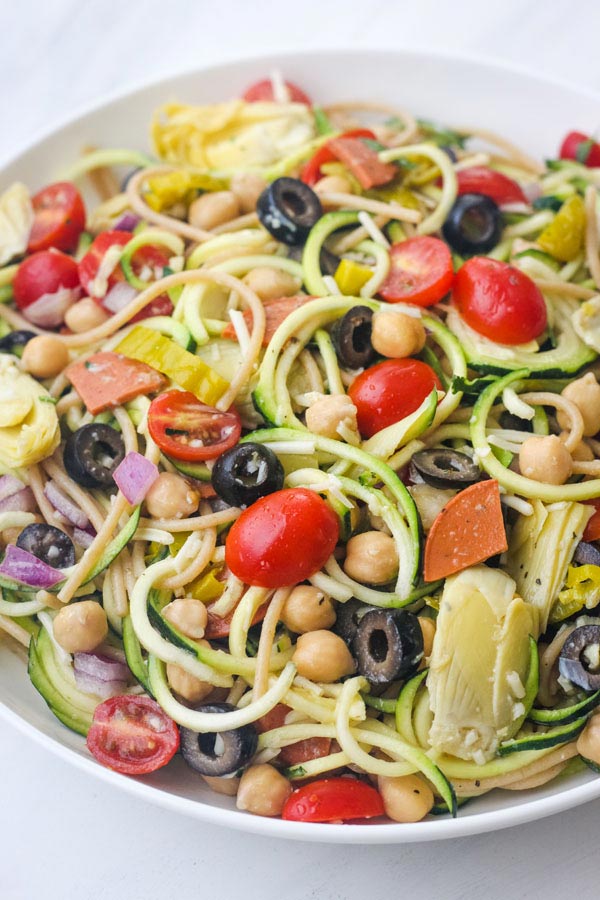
(22, 501)
(82, 538)
(101, 674)
(9, 485)
(48, 311)
(22, 566)
(135, 476)
(119, 297)
(127, 222)
(65, 506)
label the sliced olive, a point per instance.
(49, 544)
(15, 340)
(245, 473)
(579, 659)
(218, 753)
(349, 615)
(328, 260)
(352, 338)
(92, 453)
(388, 645)
(474, 224)
(288, 209)
(587, 554)
(515, 423)
(445, 468)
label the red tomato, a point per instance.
(160, 306)
(189, 430)
(298, 752)
(59, 218)
(263, 90)
(312, 170)
(389, 391)
(42, 273)
(90, 263)
(421, 272)
(219, 627)
(132, 735)
(499, 301)
(592, 529)
(333, 799)
(282, 539)
(481, 180)
(580, 147)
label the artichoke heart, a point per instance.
(16, 219)
(29, 429)
(479, 663)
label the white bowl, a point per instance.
(534, 113)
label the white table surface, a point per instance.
(65, 835)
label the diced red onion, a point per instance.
(48, 311)
(82, 538)
(9, 485)
(127, 222)
(135, 476)
(101, 674)
(65, 506)
(22, 501)
(22, 566)
(119, 296)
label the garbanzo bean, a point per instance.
(584, 392)
(588, 742)
(328, 413)
(85, 315)
(222, 785)
(545, 458)
(397, 335)
(45, 356)
(405, 799)
(187, 686)
(247, 187)
(371, 558)
(428, 631)
(211, 210)
(171, 497)
(80, 627)
(333, 184)
(307, 609)
(322, 656)
(271, 283)
(188, 615)
(263, 791)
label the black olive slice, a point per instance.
(327, 260)
(219, 753)
(587, 554)
(388, 645)
(49, 544)
(515, 423)
(445, 468)
(349, 615)
(15, 339)
(579, 659)
(92, 453)
(245, 473)
(351, 337)
(474, 224)
(288, 209)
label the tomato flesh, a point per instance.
(132, 735)
(499, 301)
(333, 799)
(90, 263)
(420, 272)
(300, 751)
(59, 218)
(592, 529)
(45, 272)
(389, 391)
(312, 170)
(581, 148)
(282, 539)
(189, 430)
(481, 180)
(263, 91)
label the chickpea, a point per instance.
(85, 315)
(428, 630)
(247, 187)
(210, 210)
(397, 335)
(333, 184)
(263, 791)
(188, 615)
(307, 609)
(80, 627)
(328, 413)
(584, 392)
(171, 497)
(222, 784)
(322, 656)
(582, 452)
(270, 283)
(371, 558)
(187, 686)
(45, 356)
(588, 742)
(405, 799)
(546, 459)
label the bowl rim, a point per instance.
(376, 833)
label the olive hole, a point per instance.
(293, 204)
(378, 645)
(104, 454)
(211, 745)
(447, 464)
(475, 224)
(590, 658)
(361, 337)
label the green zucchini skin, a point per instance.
(133, 655)
(43, 668)
(567, 714)
(562, 734)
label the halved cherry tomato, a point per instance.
(592, 529)
(45, 272)
(90, 263)
(582, 148)
(481, 180)
(263, 90)
(300, 751)
(59, 218)
(333, 799)
(420, 272)
(389, 391)
(132, 735)
(282, 539)
(312, 170)
(160, 306)
(499, 301)
(189, 430)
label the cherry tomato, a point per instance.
(263, 90)
(580, 147)
(59, 218)
(389, 391)
(189, 430)
(132, 735)
(421, 272)
(333, 799)
(498, 301)
(481, 180)
(282, 539)
(160, 306)
(592, 529)
(90, 263)
(298, 752)
(311, 172)
(44, 272)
